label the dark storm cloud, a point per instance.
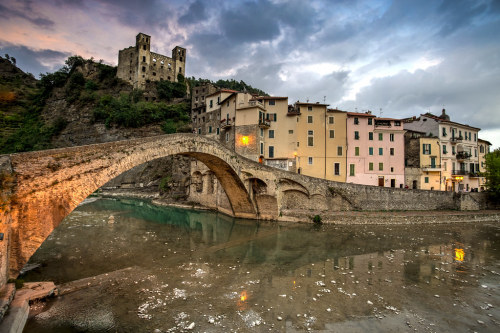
(27, 14)
(196, 13)
(32, 61)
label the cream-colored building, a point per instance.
(138, 65)
(459, 153)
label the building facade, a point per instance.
(459, 153)
(375, 150)
(138, 65)
(422, 162)
(483, 149)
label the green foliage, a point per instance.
(228, 84)
(164, 185)
(493, 174)
(317, 219)
(107, 74)
(74, 87)
(91, 85)
(124, 112)
(167, 90)
(18, 282)
(74, 61)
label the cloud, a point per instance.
(195, 13)
(35, 61)
(26, 13)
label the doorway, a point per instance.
(381, 181)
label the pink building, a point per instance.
(375, 150)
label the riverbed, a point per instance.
(143, 268)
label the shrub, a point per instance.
(317, 219)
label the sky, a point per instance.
(396, 58)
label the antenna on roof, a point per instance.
(380, 112)
(307, 99)
(324, 99)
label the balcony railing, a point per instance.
(474, 175)
(432, 167)
(459, 172)
(455, 139)
(463, 155)
(264, 123)
(226, 123)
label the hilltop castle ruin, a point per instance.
(137, 64)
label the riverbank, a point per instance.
(335, 217)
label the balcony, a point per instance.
(459, 173)
(292, 111)
(225, 123)
(456, 139)
(432, 167)
(474, 175)
(264, 123)
(463, 155)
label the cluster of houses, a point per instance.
(428, 152)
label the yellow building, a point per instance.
(321, 141)
(423, 170)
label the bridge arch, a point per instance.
(51, 183)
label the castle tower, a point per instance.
(179, 57)
(143, 45)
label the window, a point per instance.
(392, 151)
(381, 166)
(370, 134)
(392, 169)
(143, 58)
(310, 160)
(397, 123)
(143, 68)
(331, 120)
(356, 151)
(309, 119)
(227, 137)
(356, 121)
(370, 121)
(336, 169)
(380, 136)
(262, 148)
(310, 138)
(391, 137)
(370, 166)
(209, 129)
(356, 135)
(271, 152)
(218, 100)
(370, 151)
(144, 47)
(481, 149)
(351, 169)
(339, 151)
(381, 151)
(453, 150)
(271, 134)
(211, 103)
(445, 166)
(180, 69)
(218, 131)
(475, 152)
(444, 131)
(309, 108)
(272, 102)
(261, 132)
(310, 132)
(426, 180)
(426, 148)
(290, 131)
(475, 137)
(444, 149)
(332, 134)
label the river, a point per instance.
(162, 269)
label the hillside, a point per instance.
(84, 103)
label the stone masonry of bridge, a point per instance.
(45, 186)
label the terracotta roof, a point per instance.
(267, 97)
(223, 90)
(485, 141)
(317, 104)
(388, 119)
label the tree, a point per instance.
(493, 174)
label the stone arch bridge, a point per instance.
(40, 188)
